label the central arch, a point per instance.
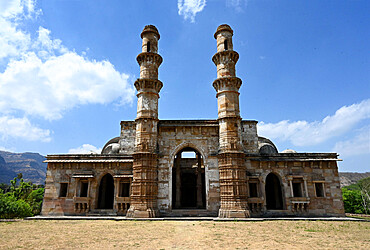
(106, 192)
(274, 198)
(188, 180)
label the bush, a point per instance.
(10, 207)
(352, 201)
(34, 199)
(22, 200)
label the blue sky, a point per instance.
(67, 69)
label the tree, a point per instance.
(352, 201)
(356, 197)
(364, 186)
(22, 200)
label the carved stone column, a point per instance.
(199, 182)
(231, 159)
(145, 172)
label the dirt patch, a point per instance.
(184, 234)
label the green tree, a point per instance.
(352, 201)
(10, 207)
(364, 186)
(34, 199)
(22, 200)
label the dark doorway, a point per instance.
(274, 199)
(106, 192)
(188, 180)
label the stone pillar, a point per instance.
(178, 181)
(291, 186)
(305, 186)
(145, 172)
(231, 159)
(199, 181)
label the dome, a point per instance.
(289, 151)
(223, 27)
(111, 147)
(150, 28)
(266, 147)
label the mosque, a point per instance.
(219, 168)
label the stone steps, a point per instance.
(190, 213)
(102, 212)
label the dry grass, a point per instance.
(184, 234)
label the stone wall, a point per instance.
(74, 169)
(176, 135)
(127, 137)
(307, 172)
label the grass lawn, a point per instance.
(105, 234)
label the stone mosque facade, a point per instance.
(220, 168)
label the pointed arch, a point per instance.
(106, 192)
(274, 196)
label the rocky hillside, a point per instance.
(348, 178)
(29, 164)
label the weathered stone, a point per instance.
(234, 172)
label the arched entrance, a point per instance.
(274, 198)
(188, 180)
(106, 192)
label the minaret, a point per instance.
(231, 159)
(145, 183)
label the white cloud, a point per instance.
(47, 88)
(22, 128)
(236, 4)
(359, 145)
(85, 149)
(43, 78)
(303, 133)
(189, 8)
(7, 149)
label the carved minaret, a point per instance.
(231, 161)
(145, 183)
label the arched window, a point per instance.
(188, 180)
(226, 46)
(148, 47)
(106, 192)
(274, 198)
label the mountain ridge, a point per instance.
(30, 164)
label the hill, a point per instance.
(29, 164)
(348, 178)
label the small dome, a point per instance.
(150, 28)
(266, 147)
(289, 151)
(111, 147)
(223, 27)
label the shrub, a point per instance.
(10, 207)
(352, 201)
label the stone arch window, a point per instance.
(188, 179)
(274, 197)
(226, 45)
(106, 192)
(148, 47)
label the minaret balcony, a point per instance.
(227, 84)
(149, 58)
(225, 57)
(146, 85)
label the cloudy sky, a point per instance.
(67, 69)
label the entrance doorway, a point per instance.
(274, 198)
(188, 180)
(106, 192)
